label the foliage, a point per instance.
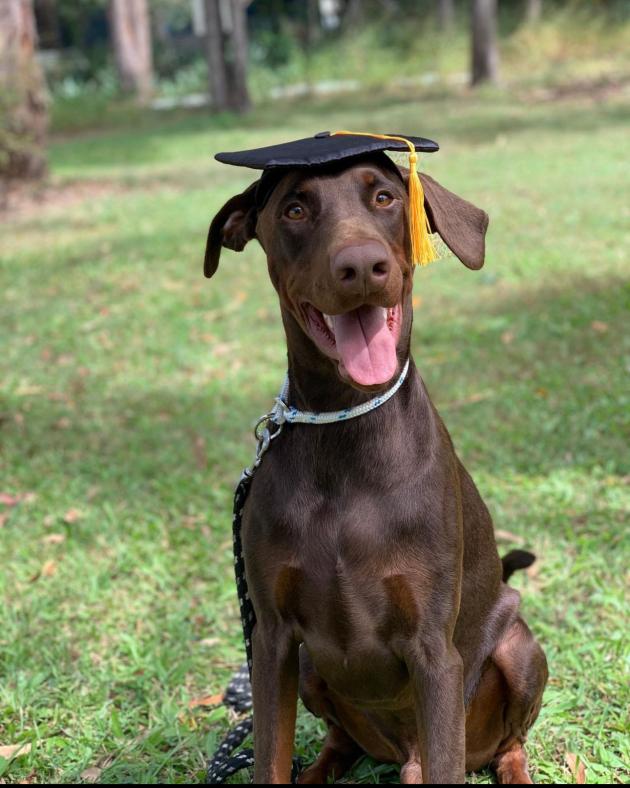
(129, 386)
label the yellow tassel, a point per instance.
(422, 250)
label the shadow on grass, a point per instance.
(530, 385)
(470, 120)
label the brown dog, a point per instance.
(370, 556)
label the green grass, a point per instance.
(129, 385)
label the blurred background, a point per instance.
(129, 384)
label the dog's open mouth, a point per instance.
(363, 341)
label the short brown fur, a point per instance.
(370, 555)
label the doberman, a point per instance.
(370, 556)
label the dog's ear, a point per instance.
(232, 227)
(461, 225)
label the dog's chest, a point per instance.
(354, 613)
(349, 579)
(347, 560)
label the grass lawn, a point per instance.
(129, 386)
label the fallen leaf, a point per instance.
(208, 700)
(28, 390)
(92, 492)
(91, 774)
(105, 340)
(478, 396)
(508, 536)
(3, 518)
(416, 301)
(222, 349)
(63, 423)
(49, 569)
(599, 326)
(13, 500)
(72, 515)
(533, 571)
(54, 539)
(199, 452)
(29, 779)
(15, 750)
(209, 642)
(576, 767)
(507, 337)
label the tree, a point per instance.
(23, 105)
(533, 11)
(485, 53)
(445, 14)
(226, 48)
(131, 38)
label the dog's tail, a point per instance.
(515, 560)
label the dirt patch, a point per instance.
(594, 91)
(25, 200)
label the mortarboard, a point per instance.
(329, 148)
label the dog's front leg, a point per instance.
(274, 688)
(437, 676)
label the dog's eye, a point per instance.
(294, 211)
(384, 198)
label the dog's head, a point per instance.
(337, 246)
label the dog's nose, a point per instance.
(361, 268)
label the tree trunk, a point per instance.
(533, 11)
(217, 74)
(353, 14)
(485, 53)
(226, 48)
(239, 95)
(313, 24)
(131, 37)
(23, 105)
(445, 14)
(47, 24)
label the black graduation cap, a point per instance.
(328, 148)
(323, 148)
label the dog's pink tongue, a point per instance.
(365, 345)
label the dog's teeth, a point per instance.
(328, 321)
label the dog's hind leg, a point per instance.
(524, 668)
(511, 766)
(337, 756)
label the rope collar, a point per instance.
(283, 413)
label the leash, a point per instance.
(238, 694)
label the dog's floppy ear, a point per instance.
(461, 225)
(232, 227)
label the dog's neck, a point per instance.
(314, 384)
